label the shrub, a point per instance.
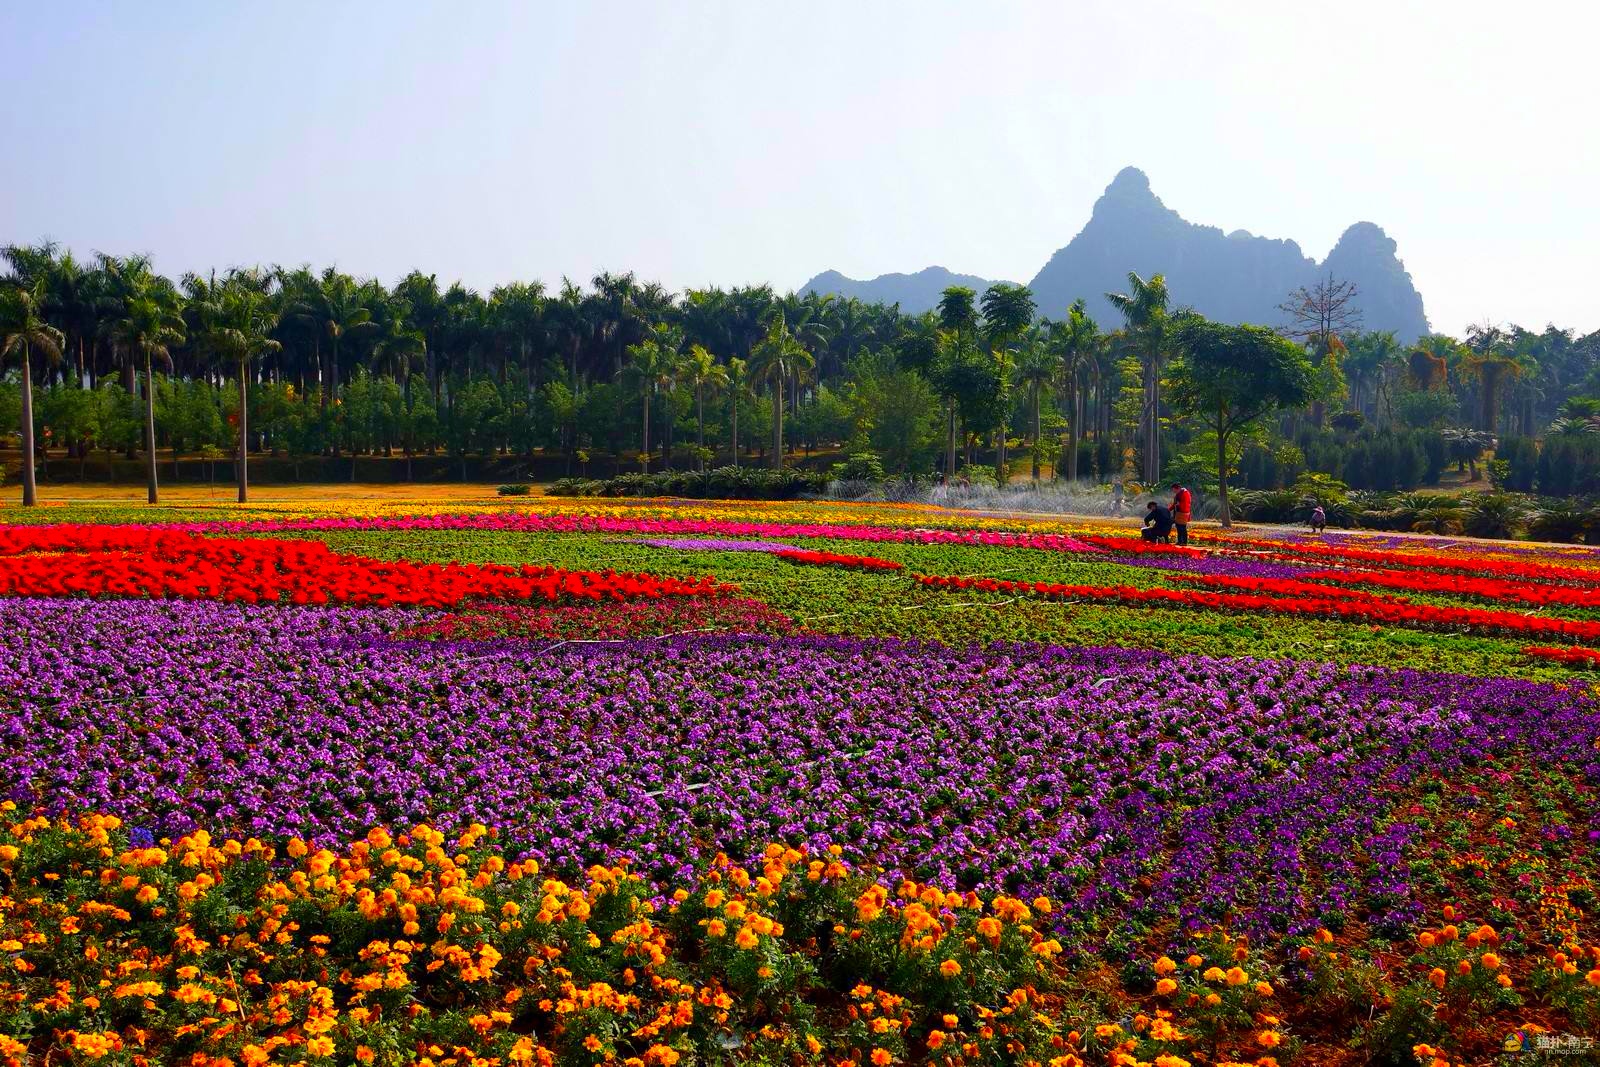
(513, 490)
(1493, 515)
(732, 483)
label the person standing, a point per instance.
(1182, 502)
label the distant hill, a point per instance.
(1231, 277)
(915, 293)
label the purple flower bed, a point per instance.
(1131, 786)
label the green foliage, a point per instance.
(731, 483)
(513, 490)
(860, 467)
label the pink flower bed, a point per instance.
(529, 523)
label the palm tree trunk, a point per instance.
(735, 434)
(644, 454)
(1035, 431)
(333, 387)
(1074, 423)
(950, 443)
(150, 432)
(30, 491)
(1222, 482)
(700, 425)
(244, 434)
(777, 425)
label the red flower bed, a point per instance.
(1363, 610)
(1138, 546)
(1468, 585)
(137, 562)
(1572, 657)
(834, 559)
(1284, 587)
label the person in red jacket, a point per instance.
(1182, 503)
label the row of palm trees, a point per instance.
(75, 324)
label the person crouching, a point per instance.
(1157, 522)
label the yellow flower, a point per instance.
(1165, 986)
(1214, 974)
(747, 938)
(1269, 1038)
(1236, 976)
(949, 968)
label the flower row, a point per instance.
(1423, 560)
(1572, 657)
(1535, 593)
(67, 561)
(834, 559)
(1294, 600)
(522, 522)
(415, 947)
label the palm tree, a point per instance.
(738, 384)
(237, 325)
(774, 359)
(701, 370)
(1036, 368)
(333, 306)
(1144, 307)
(655, 361)
(1075, 341)
(21, 331)
(1007, 311)
(958, 321)
(147, 329)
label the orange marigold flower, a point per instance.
(1490, 961)
(1165, 965)
(881, 1057)
(1165, 986)
(949, 968)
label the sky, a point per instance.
(699, 143)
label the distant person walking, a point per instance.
(1117, 495)
(1319, 519)
(1157, 523)
(1182, 504)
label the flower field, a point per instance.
(569, 781)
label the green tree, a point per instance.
(1144, 310)
(702, 371)
(958, 325)
(22, 330)
(775, 358)
(238, 325)
(738, 388)
(1231, 376)
(1036, 369)
(656, 362)
(1076, 342)
(147, 328)
(1007, 313)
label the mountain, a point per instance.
(1231, 277)
(915, 293)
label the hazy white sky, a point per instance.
(699, 143)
